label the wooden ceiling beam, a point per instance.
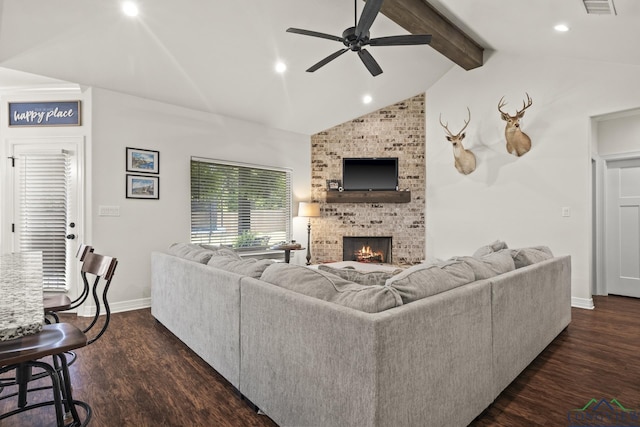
(419, 17)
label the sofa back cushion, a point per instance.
(191, 252)
(424, 280)
(328, 287)
(490, 265)
(368, 278)
(527, 256)
(496, 246)
(246, 267)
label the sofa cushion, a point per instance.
(368, 278)
(221, 250)
(228, 252)
(326, 286)
(490, 265)
(191, 252)
(247, 267)
(496, 246)
(424, 280)
(527, 256)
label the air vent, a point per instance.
(599, 7)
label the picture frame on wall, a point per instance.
(143, 161)
(334, 184)
(143, 187)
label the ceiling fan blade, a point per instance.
(314, 34)
(401, 40)
(369, 13)
(326, 60)
(369, 62)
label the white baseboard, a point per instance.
(118, 307)
(586, 303)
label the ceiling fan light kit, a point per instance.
(357, 37)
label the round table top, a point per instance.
(287, 246)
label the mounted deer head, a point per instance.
(518, 142)
(465, 160)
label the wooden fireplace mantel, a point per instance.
(368, 196)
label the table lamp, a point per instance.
(308, 210)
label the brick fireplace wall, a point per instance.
(394, 131)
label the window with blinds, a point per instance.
(43, 193)
(240, 206)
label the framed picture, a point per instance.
(145, 161)
(143, 187)
(333, 184)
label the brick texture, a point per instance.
(394, 131)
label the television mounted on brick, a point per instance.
(370, 173)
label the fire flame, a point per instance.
(367, 255)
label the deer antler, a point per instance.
(526, 105)
(446, 127)
(466, 123)
(501, 104)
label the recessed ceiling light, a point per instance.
(367, 99)
(130, 8)
(561, 28)
(281, 67)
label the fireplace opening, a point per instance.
(367, 249)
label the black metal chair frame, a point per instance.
(102, 267)
(82, 252)
(67, 337)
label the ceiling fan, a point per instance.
(356, 37)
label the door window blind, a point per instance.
(240, 206)
(43, 191)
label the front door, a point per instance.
(623, 227)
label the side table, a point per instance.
(287, 248)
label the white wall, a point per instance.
(618, 134)
(121, 121)
(520, 200)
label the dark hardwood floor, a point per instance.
(140, 375)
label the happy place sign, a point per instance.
(56, 113)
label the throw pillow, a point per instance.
(424, 280)
(527, 256)
(368, 278)
(490, 248)
(247, 267)
(191, 252)
(328, 287)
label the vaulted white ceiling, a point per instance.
(219, 56)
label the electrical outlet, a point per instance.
(109, 210)
(566, 212)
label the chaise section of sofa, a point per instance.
(308, 362)
(201, 306)
(530, 307)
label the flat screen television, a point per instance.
(373, 173)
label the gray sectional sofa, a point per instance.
(318, 349)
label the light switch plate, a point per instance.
(108, 210)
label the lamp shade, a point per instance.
(308, 209)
